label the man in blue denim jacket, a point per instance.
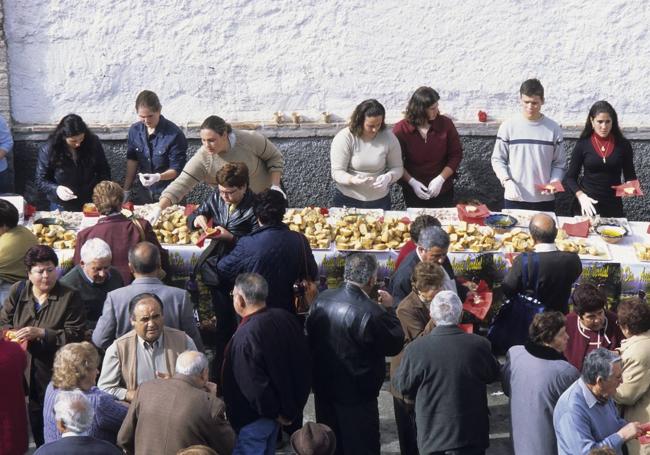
(6, 144)
(156, 147)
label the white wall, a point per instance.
(244, 59)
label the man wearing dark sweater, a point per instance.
(558, 270)
(93, 278)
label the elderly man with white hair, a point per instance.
(447, 372)
(74, 417)
(585, 416)
(94, 277)
(168, 415)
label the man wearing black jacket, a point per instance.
(558, 270)
(350, 335)
(266, 370)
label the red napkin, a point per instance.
(620, 189)
(467, 328)
(189, 209)
(129, 206)
(479, 302)
(557, 185)
(580, 229)
(29, 211)
(22, 344)
(204, 236)
(476, 216)
(645, 439)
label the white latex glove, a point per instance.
(435, 186)
(419, 188)
(64, 193)
(149, 179)
(587, 205)
(201, 222)
(359, 180)
(382, 181)
(279, 190)
(153, 216)
(511, 191)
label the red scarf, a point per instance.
(598, 143)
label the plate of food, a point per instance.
(446, 216)
(642, 251)
(313, 224)
(501, 222)
(524, 216)
(594, 249)
(471, 238)
(367, 233)
(611, 234)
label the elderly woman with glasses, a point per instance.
(590, 325)
(413, 314)
(75, 367)
(46, 315)
(634, 394)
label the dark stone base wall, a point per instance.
(308, 181)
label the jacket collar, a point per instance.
(111, 218)
(280, 226)
(447, 330)
(147, 280)
(634, 339)
(435, 123)
(186, 379)
(543, 352)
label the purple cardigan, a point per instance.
(109, 415)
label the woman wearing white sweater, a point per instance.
(366, 159)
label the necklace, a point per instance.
(604, 149)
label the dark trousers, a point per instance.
(341, 200)
(356, 426)
(225, 328)
(544, 206)
(406, 431)
(443, 200)
(461, 451)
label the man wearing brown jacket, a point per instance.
(168, 415)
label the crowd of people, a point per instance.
(109, 357)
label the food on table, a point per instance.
(517, 241)
(312, 223)
(611, 234)
(470, 208)
(171, 227)
(580, 246)
(89, 208)
(11, 335)
(471, 237)
(561, 235)
(55, 236)
(500, 222)
(71, 220)
(628, 190)
(642, 251)
(359, 232)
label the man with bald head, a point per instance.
(558, 270)
(168, 415)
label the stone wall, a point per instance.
(307, 175)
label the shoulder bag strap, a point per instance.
(140, 229)
(304, 257)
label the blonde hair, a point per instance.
(108, 197)
(73, 363)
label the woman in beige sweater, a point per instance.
(634, 394)
(366, 159)
(220, 145)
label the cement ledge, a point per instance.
(117, 132)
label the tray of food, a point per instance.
(69, 220)
(49, 232)
(337, 213)
(593, 248)
(446, 216)
(471, 238)
(642, 251)
(171, 227)
(313, 222)
(368, 233)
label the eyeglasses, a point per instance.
(229, 193)
(40, 272)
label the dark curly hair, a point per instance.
(269, 207)
(634, 314)
(367, 108)
(69, 126)
(587, 298)
(40, 253)
(233, 174)
(216, 124)
(421, 100)
(420, 223)
(545, 327)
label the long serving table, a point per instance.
(621, 273)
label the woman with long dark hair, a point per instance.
(366, 159)
(70, 164)
(602, 153)
(431, 151)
